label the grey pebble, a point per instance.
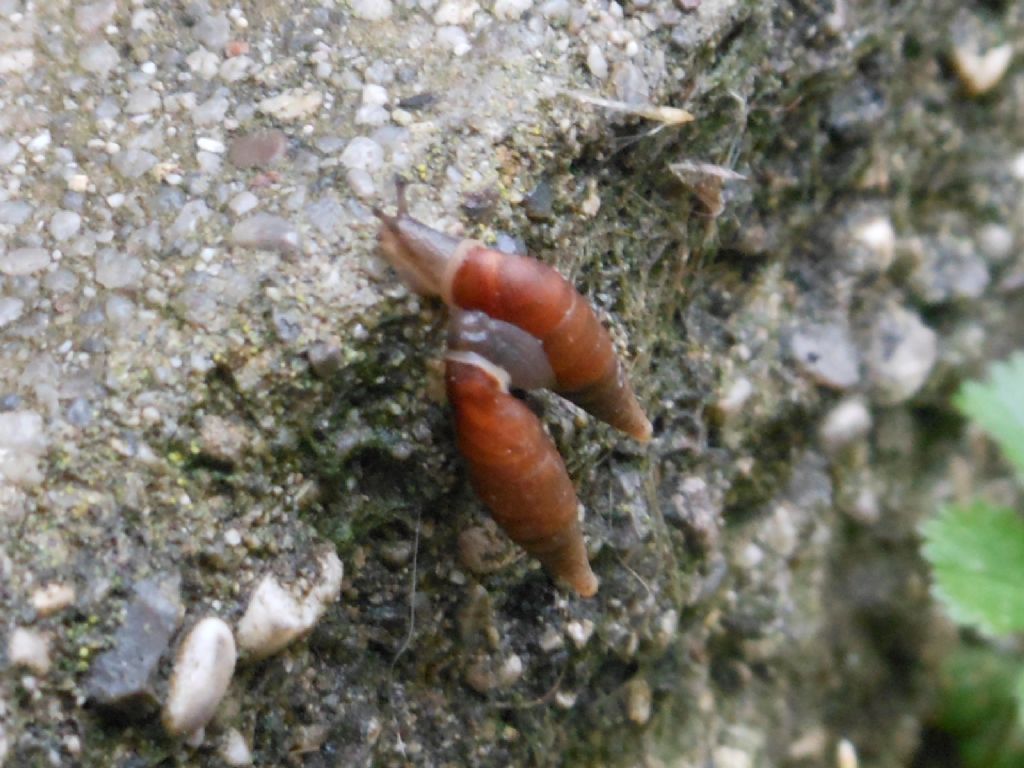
(9, 151)
(99, 58)
(79, 412)
(901, 355)
(60, 281)
(10, 310)
(947, 269)
(211, 111)
(132, 163)
(64, 224)
(243, 202)
(361, 183)
(188, 220)
(117, 270)
(363, 153)
(324, 358)
(120, 678)
(827, 354)
(630, 84)
(268, 232)
(539, 204)
(142, 101)
(327, 215)
(15, 212)
(213, 31)
(24, 261)
(234, 69)
(118, 309)
(92, 17)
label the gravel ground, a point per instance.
(237, 531)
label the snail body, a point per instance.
(516, 470)
(516, 323)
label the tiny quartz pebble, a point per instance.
(53, 597)
(202, 672)
(278, 615)
(29, 648)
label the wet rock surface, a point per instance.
(205, 370)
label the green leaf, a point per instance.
(977, 557)
(976, 706)
(1018, 693)
(997, 405)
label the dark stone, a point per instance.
(539, 204)
(120, 680)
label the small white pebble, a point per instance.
(735, 397)
(511, 10)
(116, 200)
(750, 556)
(361, 183)
(203, 63)
(981, 72)
(52, 598)
(279, 615)
(202, 672)
(878, 235)
(1017, 167)
(243, 202)
(731, 757)
(211, 145)
(996, 241)
(234, 750)
(455, 12)
(847, 422)
(566, 699)
(638, 700)
(39, 143)
(580, 632)
(363, 153)
(371, 10)
(596, 62)
(375, 95)
(371, 115)
(454, 39)
(64, 224)
(24, 261)
(846, 755)
(11, 309)
(29, 648)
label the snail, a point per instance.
(516, 323)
